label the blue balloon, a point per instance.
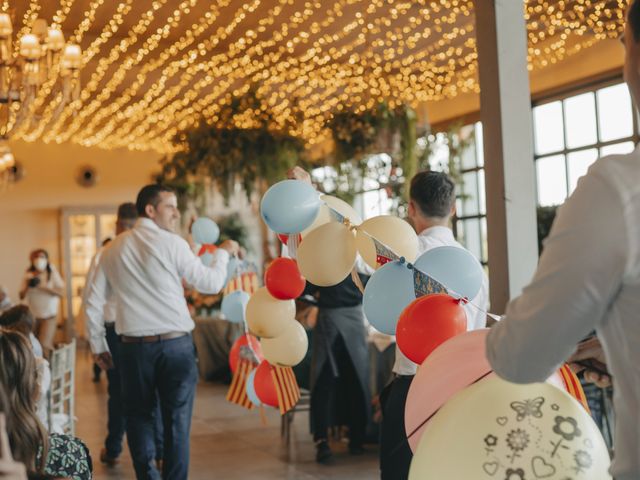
(454, 267)
(204, 230)
(290, 206)
(233, 269)
(207, 259)
(388, 292)
(251, 389)
(234, 306)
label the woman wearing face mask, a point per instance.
(42, 288)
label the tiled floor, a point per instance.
(227, 442)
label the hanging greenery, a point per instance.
(360, 134)
(243, 143)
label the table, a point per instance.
(213, 338)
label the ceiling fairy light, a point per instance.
(154, 67)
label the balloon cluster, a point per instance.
(456, 407)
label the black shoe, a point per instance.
(356, 449)
(323, 453)
(106, 459)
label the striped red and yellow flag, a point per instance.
(286, 388)
(238, 389)
(247, 281)
(572, 384)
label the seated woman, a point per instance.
(55, 455)
(20, 319)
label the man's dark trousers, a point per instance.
(115, 405)
(168, 367)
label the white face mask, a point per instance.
(40, 264)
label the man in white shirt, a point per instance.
(126, 219)
(431, 206)
(588, 278)
(143, 269)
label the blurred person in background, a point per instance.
(42, 289)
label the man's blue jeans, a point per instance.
(169, 368)
(115, 405)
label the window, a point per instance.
(572, 132)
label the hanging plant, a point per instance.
(241, 144)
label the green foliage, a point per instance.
(232, 228)
(243, 143)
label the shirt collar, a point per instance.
(144, 222)
(438, 231)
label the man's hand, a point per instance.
(589, 357)
(299, 173)
(9, 468)
(230, 246)
(104, 360)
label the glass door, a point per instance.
(84, 231)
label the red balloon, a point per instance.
(264, 385)
(426, 323)
(243, 340)
(207, 248)
(284, 238)
(283, 279)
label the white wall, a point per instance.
(30, 209)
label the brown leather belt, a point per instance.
(152, 338)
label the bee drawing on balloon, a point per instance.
(528, 408)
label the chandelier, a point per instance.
(40, 57)
(7, 164)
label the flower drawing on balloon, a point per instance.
(515, 474)
(490, 441)
(583, 461)
(528, 408)
(567, 428)
(517, 441)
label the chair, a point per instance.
(62, 393)
(303, 405)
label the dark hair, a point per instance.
(19, 319)
(35, 253)
(150, 195)
(18, 379)
(434, 193)
(633, 17)
(127, 211)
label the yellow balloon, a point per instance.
(324, 215)
(288, 348)
(266, 316)
(327, 255)
(393, 232)
(495, 430)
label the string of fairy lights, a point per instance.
(153, 68)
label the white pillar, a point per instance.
(505, 102)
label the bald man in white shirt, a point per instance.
(588, 278)
(143, 270)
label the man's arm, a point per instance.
(98, 293)
(579, 275)
(204, 279)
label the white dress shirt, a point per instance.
(143, 270)
(44, 304)
(588, 278)
(440, 237)
(110, 306)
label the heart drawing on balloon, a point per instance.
(502, 421)
(490, 468)
(542, 469)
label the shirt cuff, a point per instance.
(221, 254)
(98, 345)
